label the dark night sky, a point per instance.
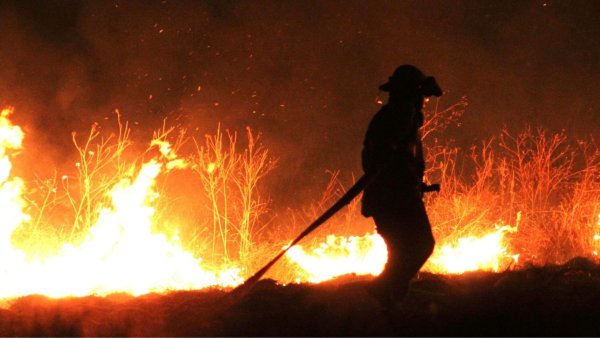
(304, 73)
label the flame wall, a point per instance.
(303, 74)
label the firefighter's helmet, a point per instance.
(409, 79)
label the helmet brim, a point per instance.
(386, 87)
(428, 87)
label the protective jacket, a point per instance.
(392, 148)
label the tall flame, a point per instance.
(120, 253)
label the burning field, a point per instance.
(153, 156)
(550, 301)
(108, 235)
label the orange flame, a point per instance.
(340, 255)
(119, 253)
(488, 253)
(367, 255)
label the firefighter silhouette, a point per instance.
(393, 154)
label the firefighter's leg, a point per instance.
(417, 240)
(409, 241)
(392, 284)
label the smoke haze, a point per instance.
(303, 73)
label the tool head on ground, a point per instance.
(242, 290)
(408, 79)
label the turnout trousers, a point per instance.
(407, 234)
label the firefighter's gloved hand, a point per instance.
(430, 187)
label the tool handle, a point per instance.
(430, 187)
(362, 182)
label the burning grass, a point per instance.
(542, 184)
(119, 224)
(550, 301)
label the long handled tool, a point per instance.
(363, 181)
(343, 201)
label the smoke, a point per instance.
(305, 74)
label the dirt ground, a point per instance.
(550, 301)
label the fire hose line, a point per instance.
(360, 185)
(363, 181)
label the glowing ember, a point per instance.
(165, 149)
(119, 253)
(340, 255)
(471, 253)
(211, 167)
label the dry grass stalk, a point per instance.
(230, 178)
